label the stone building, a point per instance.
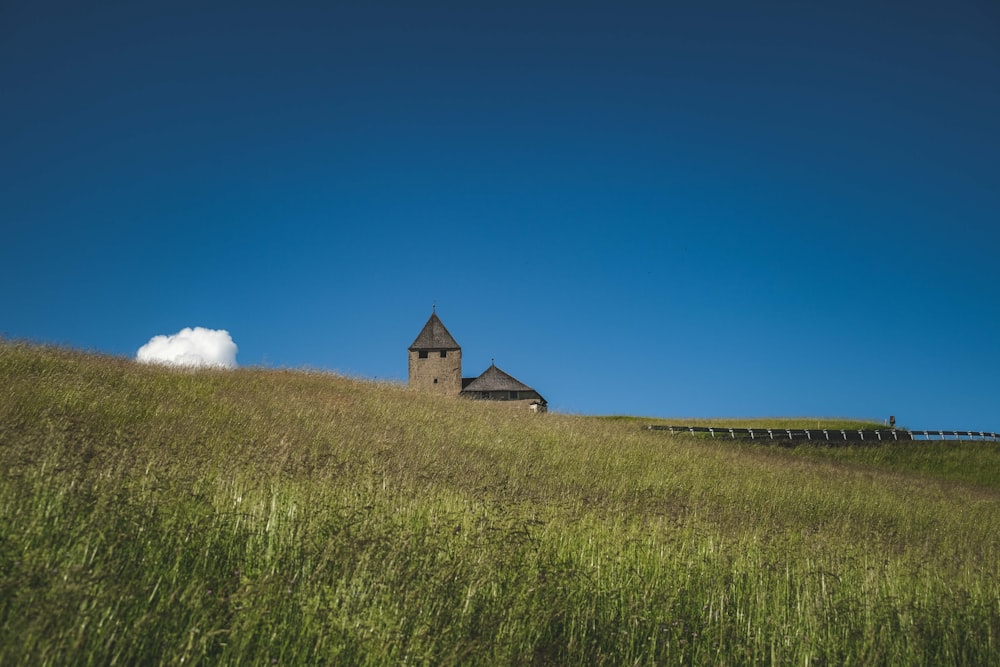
(435, 364)
(435, 359)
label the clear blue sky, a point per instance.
(666, 209)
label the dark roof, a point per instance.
(494, 379)
(434, 336)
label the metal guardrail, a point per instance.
(956, 435)
(830, 435)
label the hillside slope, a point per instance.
(154, 515)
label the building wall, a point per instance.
(435, 373)
(524, 400)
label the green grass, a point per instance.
(157, 516)
(762, 423)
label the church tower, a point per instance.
(436, 360)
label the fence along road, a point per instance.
(829, 435)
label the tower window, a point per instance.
(422, 354)
(444, 353)
(435, 380)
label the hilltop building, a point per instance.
(435, 359)
(435, 364)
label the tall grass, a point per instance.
(157, 516)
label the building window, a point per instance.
(444, 353)
(513, 395)
(435, 380)
(422, 354)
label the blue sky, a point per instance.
(663, 209)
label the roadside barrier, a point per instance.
(829, 435)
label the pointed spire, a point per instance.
(434, 336)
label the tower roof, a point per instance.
(494, 379)
(434, 336)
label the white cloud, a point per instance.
(191, 347)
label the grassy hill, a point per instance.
(159, 516)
